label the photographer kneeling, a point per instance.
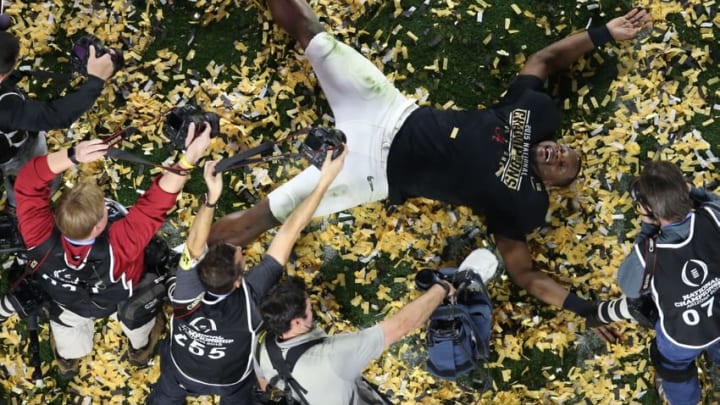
(91, 269)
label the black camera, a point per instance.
(462, 280)
(80, 53)
(178, 120)
(319, 141)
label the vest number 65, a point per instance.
(199, 349)
(692, 317)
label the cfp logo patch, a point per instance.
(203, 325)
(694, 273)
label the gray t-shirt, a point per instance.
(329, 370)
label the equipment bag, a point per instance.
(458, 335)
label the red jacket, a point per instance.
(128, 236)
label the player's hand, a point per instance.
(607, 333)
(629, 25)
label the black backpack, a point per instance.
(458, 335)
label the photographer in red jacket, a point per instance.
(90, 269)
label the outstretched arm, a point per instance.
(198, 234)
(561, 54)
(518, 262)
(414, 314)
(33, 115)
(289, 232)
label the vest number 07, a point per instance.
(199, 349)
(692, 317)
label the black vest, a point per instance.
(212, 341)
(88, 290)
(686, 284)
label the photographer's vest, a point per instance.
(16, 138)
(87, 290)
(686, 283)
(213, 339)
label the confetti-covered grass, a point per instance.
(622, 105)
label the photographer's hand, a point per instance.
(83, 152)
(102, 67)
(196, 143)
(214, 182)
(331, 167)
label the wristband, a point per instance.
(445, 285)
(183, 163)
(578, 305)
(71, 155)
(207, 203)
(600, 35)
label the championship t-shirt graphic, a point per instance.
(515, 161)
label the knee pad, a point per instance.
(667, 374)
(147, 299)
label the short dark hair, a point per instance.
(218, 270)
(664, 190)
(9, 51)
(283, 303)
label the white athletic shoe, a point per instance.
(482, 262)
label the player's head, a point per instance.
(556, 164)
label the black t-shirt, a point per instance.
(478, 159)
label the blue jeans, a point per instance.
(172, 387)
(686, 392)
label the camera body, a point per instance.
(464, 281)
(319, 141)
(80, 53)
(179, 119)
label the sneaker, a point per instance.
(67, 368)
(141, 357)
(481, 261)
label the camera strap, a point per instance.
(120, 154)
(245, 158)
(118, 136)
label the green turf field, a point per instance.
(622, 105)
